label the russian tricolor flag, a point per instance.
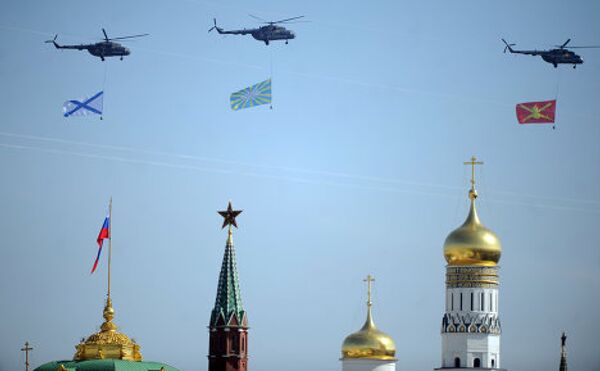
(104, 234)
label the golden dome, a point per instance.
(472, 243)
(108, 343)
(369, 342)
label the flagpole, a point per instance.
(109, 242)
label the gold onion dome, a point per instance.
(108, 343)
(369, 342)
(472, 243)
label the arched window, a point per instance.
(457, 362)
(493, 363)
(471, 301)
(461, 301)
(491, 303)
(476, 362)
(452, 301)
(482, 302)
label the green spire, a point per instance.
(229, 299)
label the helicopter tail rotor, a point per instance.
(215, 26)
(508, 46)
(53, 41)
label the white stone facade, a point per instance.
(467, 348)
(470, 325)
(366, 364)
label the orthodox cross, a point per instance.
(369, 281)
(26, 349)
(563, 340)
(229, 216)
(473, 163)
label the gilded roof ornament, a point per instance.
(108, 342)
(472, 243)
(369, 342)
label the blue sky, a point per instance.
(357, 169)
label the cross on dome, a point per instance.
(369, 281)
(473, 163)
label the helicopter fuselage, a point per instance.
(267, 33)
(271, 33)
(107, 49)
(561, 56)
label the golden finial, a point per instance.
(108, 314)
(473, 162)
(369, 281)
(369, 324)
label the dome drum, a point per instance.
(471, 276)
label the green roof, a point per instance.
(105, 365)
(229, 298)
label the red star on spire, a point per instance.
(229, 216)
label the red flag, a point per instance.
(536, 112)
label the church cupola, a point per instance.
(471, 323)
(369, 349)
(228, 345)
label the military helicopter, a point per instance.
(266, 33)
(101, 49)
(555, 56)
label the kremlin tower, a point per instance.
(471, 324)
(228, 346)
(368, 349)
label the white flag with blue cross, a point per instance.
(85, 106)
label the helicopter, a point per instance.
(562, 55)
(101, 49)
(266, 33)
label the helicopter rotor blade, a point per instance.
(287, 20)
(105, 35)
(585, 47)
(129, 37)
(258, 18)
(563, 45)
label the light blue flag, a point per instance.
(253, 96)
